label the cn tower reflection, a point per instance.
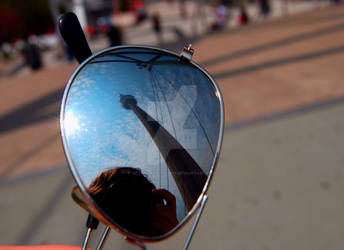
(188, 175)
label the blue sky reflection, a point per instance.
(101, 134)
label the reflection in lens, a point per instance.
(131, 200)
(149, 110)
(178, 160)
(71, 123)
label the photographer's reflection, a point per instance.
(133, 202)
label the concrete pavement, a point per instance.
(280, 177)
(278, 185)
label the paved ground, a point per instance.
(279, 181)
(278, 185)
(257, 68)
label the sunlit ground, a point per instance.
(265, 68)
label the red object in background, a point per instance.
(90, 30)
(103, 27)
(243, 18)
(138, 4)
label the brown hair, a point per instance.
(125, 195)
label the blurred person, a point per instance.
(243, 17)
(265, 8)
(111, 29)
(32, 55)
(103, 24)
(114, 34)
(221, 17)
(140, 12)
(156, 24)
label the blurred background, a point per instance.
(279, 65)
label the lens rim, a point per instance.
(92, 206)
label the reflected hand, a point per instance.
(165, 215)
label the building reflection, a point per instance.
(188, 175)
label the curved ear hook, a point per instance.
(71, 32)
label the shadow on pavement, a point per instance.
(300, 110)
(32, 112)
(15, 165)
(279, 62)
(275, 44)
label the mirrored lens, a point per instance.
(141, 129)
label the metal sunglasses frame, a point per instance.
(93, 208)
